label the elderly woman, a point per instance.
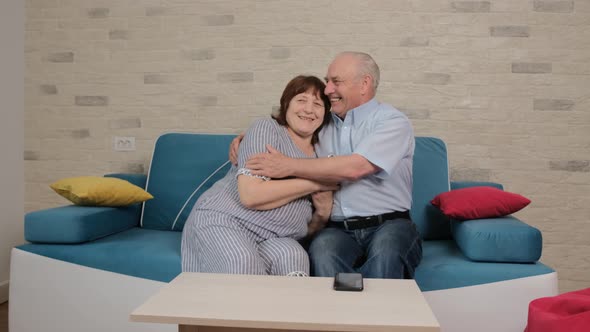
(247, 224)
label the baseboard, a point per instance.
(4, 291)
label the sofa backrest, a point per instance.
(181, 162)
(430, 178)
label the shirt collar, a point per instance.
(358, 114)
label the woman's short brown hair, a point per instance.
(301, 84)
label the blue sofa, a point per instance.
(84, 262)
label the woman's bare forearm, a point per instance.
(258, 194)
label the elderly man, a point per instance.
(368, 148)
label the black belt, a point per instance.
(370, 221)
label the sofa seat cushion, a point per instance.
(444, 266)
(155, 255)
(504, 239)
(143, 253)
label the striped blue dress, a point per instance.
(222, 236)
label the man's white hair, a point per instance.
(367, 66)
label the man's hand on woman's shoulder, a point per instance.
(273, 164)
(234, 147)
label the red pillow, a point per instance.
(479, 202)
(568, 312)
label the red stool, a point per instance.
(568, 312)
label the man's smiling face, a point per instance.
(343, 85)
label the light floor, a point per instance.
(4, 317)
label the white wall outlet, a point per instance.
(124, 143)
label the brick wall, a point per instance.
(504, 82)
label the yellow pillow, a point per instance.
(100, 191)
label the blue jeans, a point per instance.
(391, 250)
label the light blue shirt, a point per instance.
(384, 136)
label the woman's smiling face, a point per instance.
(305, 114)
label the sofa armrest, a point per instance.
(468, 184)
(136, 179)
(77, 224)
(504, 239)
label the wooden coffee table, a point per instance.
(219, 302)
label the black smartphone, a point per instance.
(352, 282)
